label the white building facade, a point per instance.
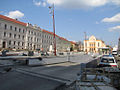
(19, 35)
(12, 33)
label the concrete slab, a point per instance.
(63, 70)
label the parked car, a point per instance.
(107, 61)
(114, 52)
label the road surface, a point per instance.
(66, 70)
(47, 77)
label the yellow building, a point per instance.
(93, 44)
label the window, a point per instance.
(10, 35)
(92, 49)
(10, 27)
(104, 60)
(19, 36)
(89, 49)
(5, 26)
(4, 34)
(28, 44)
(22, 43)
(23, 37)
(28, 38)
(111, 60)
(98, 44)
(37, 39)
(19, 29)
(23, 30)
(14, 35)
(32, 32)
(9, 42)
(15, 28)
(14, 42)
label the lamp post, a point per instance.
(52, 12)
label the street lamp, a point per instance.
(52, 12)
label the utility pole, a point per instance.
(54, 42)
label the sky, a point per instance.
(100, 18)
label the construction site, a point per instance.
(76, 72)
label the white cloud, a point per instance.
(15, 14)
(117, 2)
(96, 22)
(44, 4)
(115, 18)
(82, 3)
(116, 28)
(77, 3)
(37, 3)
(85, 4)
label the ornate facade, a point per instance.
(93, 44)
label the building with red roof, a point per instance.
(15, 34)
